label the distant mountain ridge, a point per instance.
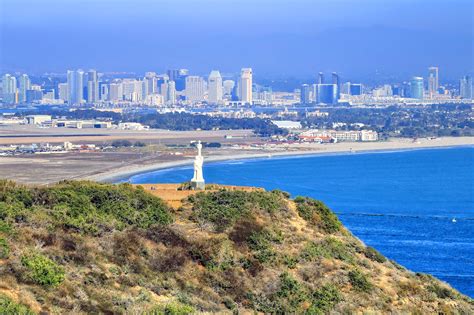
(90, 248)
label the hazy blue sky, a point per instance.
(287, 37)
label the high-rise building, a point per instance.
(433, 81)
(171, 93)
(228, 86)
(195, 88)
(132, 90)
(104, 91)
(416, 88)
(355, 89)
(305, 97)
(246, 85)
(34, 95)
(25, 85)
(115, 90)
(335, 78)
(9, 89)
(336, 82)
(63, 93)
(151, 86)
(92, 86)
(173, 74)
(327, 93)
(214, 87)
(465, 87)
(75, 87)
(320, 78)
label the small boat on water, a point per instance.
(454, 220)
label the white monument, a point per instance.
(197, 182)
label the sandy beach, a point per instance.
(290, 150)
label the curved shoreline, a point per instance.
(380, 147)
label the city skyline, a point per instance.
(296, 39)
(182, 87)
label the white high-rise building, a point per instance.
(151, 86)
(132, 90)
(246, 85)
(9, 90)
(214, 87)
(433, 81)
(115, 92)
(171, 93)
(228, 86)
(63, 92)
(104, 92)
(75, 86)
(92, 86)
(195, 88)
(25, 85)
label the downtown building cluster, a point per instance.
(417, 89)
(173, 87)
(179, 87)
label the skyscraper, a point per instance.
(228, 86)
(75, 87)
(321, 78)
(195, 88)
(327, 94)
(355, 89)
(214, 87)
(171, 93)
(63, 93)
(416, 88)
(433, 83)
(246, 85)
(92, 86)
(305, 97)
(10, 92)
(465, 87)
(151, 86)
(335, 81)
(25, 85)
(115, 91)
(173, 74)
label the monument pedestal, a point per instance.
(198, 185)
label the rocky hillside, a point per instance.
(83, 247)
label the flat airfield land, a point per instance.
(163, 149)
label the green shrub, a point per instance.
(374, 255)
(442, 292)
(5, 227)
(86, 206)
(173, 308)
(292, 292)
(327, 248)
(4, 249)
(223, 208)
(359, 281)
(317, 213)
(42, 270)
(9, 307)
(261, 243)
(290, 261)
(325, 299)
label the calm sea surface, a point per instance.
(403, 203)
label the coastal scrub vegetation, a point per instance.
(90, 248)
(8, 306)
(317, 213)
(85, 207)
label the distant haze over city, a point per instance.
(275, 38)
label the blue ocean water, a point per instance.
(402, 203)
